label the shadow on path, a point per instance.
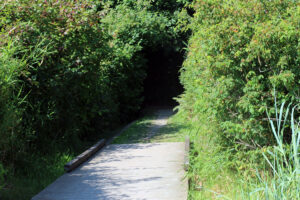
(126, 171)
(155, 125)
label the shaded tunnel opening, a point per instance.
(162, 82)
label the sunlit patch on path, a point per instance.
(160, 121)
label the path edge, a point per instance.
(186, 153)
(76, 162)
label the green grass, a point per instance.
(138, 132)
(172, 132)
(283, 159)
(23, 185)
(212, 175)
(209, 177)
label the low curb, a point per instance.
(186, 153)
(76, 162)
(73, 164)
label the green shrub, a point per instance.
(63, 87)
(136, 28)
(78, 69)
(11, 103)
(238, 53)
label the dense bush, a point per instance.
(10, 105)
(63, 85)
(71, 69)
(238, 53)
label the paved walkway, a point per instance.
(152, 171)
(127, 171)
(160, 121)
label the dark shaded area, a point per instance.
(162, 82)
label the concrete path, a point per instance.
(160, 121)
(151, 171)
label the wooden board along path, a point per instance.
(152, 171)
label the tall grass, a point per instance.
(283, 159)
(211, 176)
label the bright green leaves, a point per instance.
(239, 52)
(80, 65)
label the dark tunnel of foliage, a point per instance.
(72, 69)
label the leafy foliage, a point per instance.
(72, 69)
(63, 45)
(284, 162)
(11, 103)
(239, 52)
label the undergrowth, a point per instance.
(70, 71)
(24, 185)
(266, 173)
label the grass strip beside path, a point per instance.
(142, 131)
